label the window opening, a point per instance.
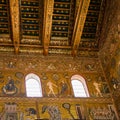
(33, 86)
(79, 86)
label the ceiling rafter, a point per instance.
(79, 24)
(15, 21)
(47, 24)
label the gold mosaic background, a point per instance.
(55, 70)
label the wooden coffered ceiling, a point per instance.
(69, 27)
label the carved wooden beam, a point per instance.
(79, 24)
(77, 6)
(47, 24)
(15, 20)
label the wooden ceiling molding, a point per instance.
(79, 24)
(89, 41)
(61, 27)
(77, 6)
(48, 11)
(15, 21)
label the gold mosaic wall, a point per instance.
(57, 109)
(59, 106)
(110, 52)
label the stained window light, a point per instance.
(33, 86)
(79, 87)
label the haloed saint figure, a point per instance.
(10, 87)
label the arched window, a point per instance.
(79, 86)
(33, 86)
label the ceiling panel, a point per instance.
(88, 38)
(49, 26)
(31, 20)
(62, 22)
(4, 18)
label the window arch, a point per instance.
(33, 85)
(79, 86)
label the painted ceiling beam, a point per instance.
(79, 24)
(77, 6)
(47, 24)
(15, 21)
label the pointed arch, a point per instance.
(79, 86)
(33, 85)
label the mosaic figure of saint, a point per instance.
(64, 87)
(50, 86)
(97, 85)
(53, 111)
(10, 88)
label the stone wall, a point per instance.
(110, 52)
